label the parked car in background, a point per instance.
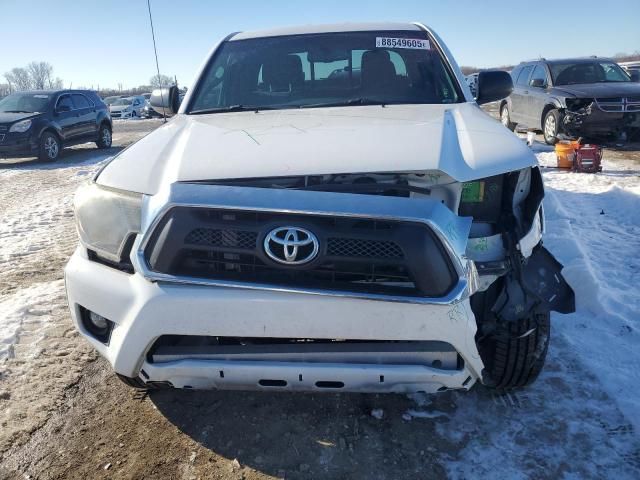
(128, 107)
(579, 97)
(42, 123)
(108, 101)
(290, 230)
(472, 81)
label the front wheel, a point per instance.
(551, 127)
(514, 352)
(50, 147)
(104, 137)
(505, 118)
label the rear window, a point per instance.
(326, 69)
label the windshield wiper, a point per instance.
(15, 111)
(347, 103)
(233, 108)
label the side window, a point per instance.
(80, 101)
(64, 103)
(524, 75)
(539, 74)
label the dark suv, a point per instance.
(41, 123)
(586, 97)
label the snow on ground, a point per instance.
(593, 227)
(40, 352)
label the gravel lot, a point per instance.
(64, 415)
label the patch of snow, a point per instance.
(28, 309)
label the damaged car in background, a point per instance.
(328, 210)
(592, 98)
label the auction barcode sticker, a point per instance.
(416, 43)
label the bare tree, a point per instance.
(35, 76)
(5, 89)
(19, 79)
(40, 73)
(161, 81)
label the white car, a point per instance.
(128, 107)
(296, 229)
(472, 81)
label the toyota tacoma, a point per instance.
(328, 210)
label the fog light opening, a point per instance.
(96, 325)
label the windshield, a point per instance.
(327, 69)
(25, 103)
(587, 72)
(122, 101)
(110, 100)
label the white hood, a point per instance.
(459, 140)
(118, 108)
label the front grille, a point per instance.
(349, 247)
(222, 238)
(619, 104)
(354, 255)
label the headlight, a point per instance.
(105, 218)
(21, 127)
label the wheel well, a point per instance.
(52, 131)
(545, 110)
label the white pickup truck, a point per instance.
(329, 210)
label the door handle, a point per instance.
(526, 92)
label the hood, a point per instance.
(7, 117)
(612, 89)
(459, 140)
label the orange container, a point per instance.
(566, 152)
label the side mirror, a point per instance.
(493, 85)
(165, 100)
(635, 75)
(63, 108)
(538, 83)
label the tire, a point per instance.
(105, 136)
(134, 114)
(514, 352)
(551, 127)
(505, 118)
(133, 382)
(50, 147)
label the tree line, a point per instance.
(39, 76)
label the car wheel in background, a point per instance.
(551, 126)
(134, 114)
(104, 136)
(50, 147)
(505, 118)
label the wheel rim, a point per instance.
(51, 147)
(505, 116)
(106, 136)
(550, 127)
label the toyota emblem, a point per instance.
(291, 245)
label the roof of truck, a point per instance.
(327, 28)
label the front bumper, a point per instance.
(143, 311)
(148, 304)
(14, 145)
(597, 122)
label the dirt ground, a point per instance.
(63, 414)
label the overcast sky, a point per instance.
(107, 42)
